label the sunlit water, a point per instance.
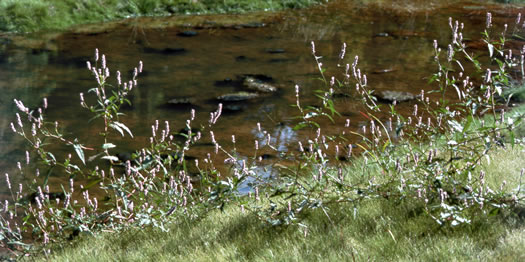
(394, 45)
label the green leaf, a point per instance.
(433, 78)
(47, 175)
(108, 146)
(491, 49)
(119, 127)
(498, 89)
(518, 37)
(116, 127)
(300, 126)
(110, 158)
(91, 184)
(310, 115)
(457, 91)
(80, 152)
(74, 167)
(274, 222)
(52, 156)
(460, 65)
(470, 119)
(455, 125)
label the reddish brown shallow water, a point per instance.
(394, 46)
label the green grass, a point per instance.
(378, 230)
(23, 16)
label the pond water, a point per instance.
(201, 58)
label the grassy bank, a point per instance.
(382, 230)
(22, 16)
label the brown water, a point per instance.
(392, 38)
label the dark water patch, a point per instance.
(39, 51)
(125, 156)
(243, 58)
(252, 25)
(187, 33)
(4, 41)
(165, 51)
(226, 82)
(68, 61)
(280, 60)
(181, 104)
(233, 108)
(97, 33)
(340, 95)
(275, 50)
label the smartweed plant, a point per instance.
(431, 158)
(148, 189)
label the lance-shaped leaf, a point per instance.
(110, 158)
(120, 128)
(108, 146)
(491, 49)
(80, 152)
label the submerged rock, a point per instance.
(253, 84)
(399, 96)
(258, 77)
(182, 101)
(239, 96)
